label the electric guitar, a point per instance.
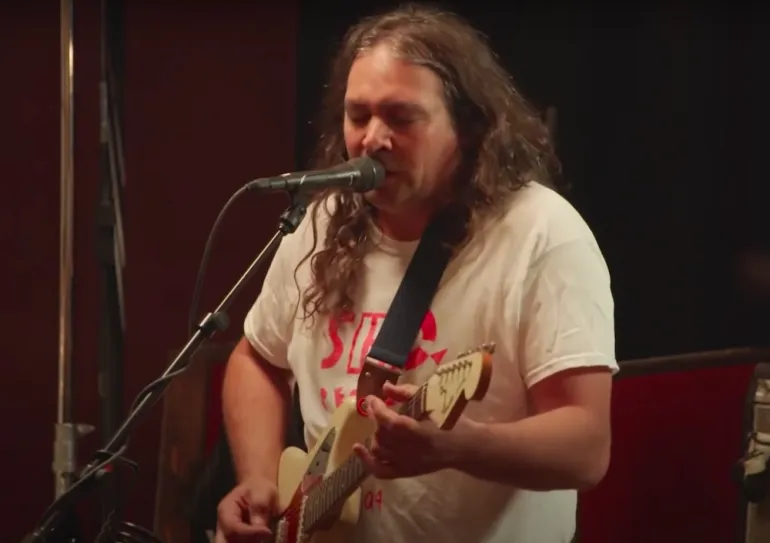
(319, 497)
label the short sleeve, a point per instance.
(567, 312)
(269, 323)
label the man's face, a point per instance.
(395, 112)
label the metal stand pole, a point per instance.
(66, 433)
(110, 247)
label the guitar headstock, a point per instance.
(455, 383)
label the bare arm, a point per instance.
(568, 323)
(255, 401)
(565, 445)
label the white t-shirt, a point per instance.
(534, 283)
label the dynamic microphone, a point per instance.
(360, 175)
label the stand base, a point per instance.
(68, 531)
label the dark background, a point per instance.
(661, 117)
(656, 108)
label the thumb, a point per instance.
(261, 507)
(259, 515)
(399, 393)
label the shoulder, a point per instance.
(546, 218)
(539, 231)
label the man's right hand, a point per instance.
(243, 515)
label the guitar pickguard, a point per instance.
(319, 492)
(319, 463)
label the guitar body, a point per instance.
(319, 495)
(299, 472)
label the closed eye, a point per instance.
(397, 114)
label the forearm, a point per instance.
(563, 448)
(255, 403)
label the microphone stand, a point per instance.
(110, 244)
(215, 321)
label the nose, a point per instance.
(377, 138)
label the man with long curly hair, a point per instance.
(419, 90)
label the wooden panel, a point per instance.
(182, 442)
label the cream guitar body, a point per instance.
(301, 470)
(319, 496)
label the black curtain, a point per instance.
(657, 125)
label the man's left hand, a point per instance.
(402, 446)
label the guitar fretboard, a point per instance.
(337, 487)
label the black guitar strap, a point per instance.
(394, 342)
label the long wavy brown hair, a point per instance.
(505, 142)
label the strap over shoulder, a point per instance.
(395, 340)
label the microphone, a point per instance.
(360, 175)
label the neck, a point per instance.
(341, 483)
(402, 226)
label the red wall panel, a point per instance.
(676, 438)
(209, 104)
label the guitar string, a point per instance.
(294, 510)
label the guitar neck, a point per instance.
(341, 483)
(442, 399)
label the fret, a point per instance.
(317, 506)
(340, 485)
(350, 471)
(416, 408)
(335, 481)
(343, 481)
(356, 470)
(308, 516)
(347, 471)
(328, 495)
(310, 504)
(319, 509)
(334, 489)
(418, 411)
